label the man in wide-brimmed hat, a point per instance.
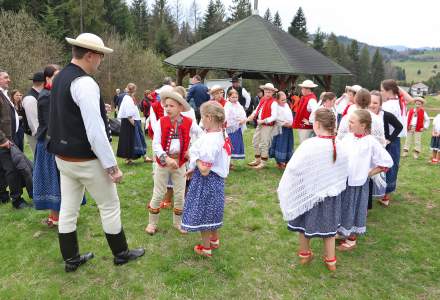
(265, 115)
(307, 104)
(30, 118)
(244, 98)
(78, 137)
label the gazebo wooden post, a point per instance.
(180, 74)
(192, 72)
(327, 82)
(203, 73)
(293, 79)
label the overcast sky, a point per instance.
(376, 22)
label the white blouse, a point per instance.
(393, 106)
(209, 148)
(436, 123)
(414, 120)
(234, 113)
(364, 154)
(128, 109)
(284, 114)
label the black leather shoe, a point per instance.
(72, 264)
(20, 204)
(128, 255)
(121, 253)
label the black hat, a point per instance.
(235, 79)
(38, 77)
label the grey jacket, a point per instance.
(5, 119)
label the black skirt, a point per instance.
(126, 140)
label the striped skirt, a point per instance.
(321, 221)
(354, 207)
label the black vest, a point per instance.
(241, 99)
(26, 127)
(66, 131)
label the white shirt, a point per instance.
(209, 149)
(364, 154)
(128, 109)
(246, 96)
(17, 120)
(313, 115)
(341, 104)
(273, 116)
(393, 106)
(153, 118)
(312, 105)
(284, 114)
(85, 93)
(414, 120)
(234, 113)
(436, 124)
(30, 106)
(195, 131)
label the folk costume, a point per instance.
(78, 136)
(171, 140)
(309, 203)
(205, 200)
(377, 127)
(156, 112)
(417, 122)
(266, 111)
(435, 139)
(234, 113)
(364, 154)
(282, 143)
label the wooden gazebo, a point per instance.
(256, 49)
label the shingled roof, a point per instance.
(252, 46)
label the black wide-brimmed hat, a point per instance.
(235, 79)
(38, 77)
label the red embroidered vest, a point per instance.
(265, 106)
(159, 112)
(420, 118)
(303, 113)
(183, 130)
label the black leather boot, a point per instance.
(70, 251)
(119, 247)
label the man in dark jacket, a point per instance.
(197, 95)
(9, 176)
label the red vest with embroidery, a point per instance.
(183, 130)
(420, 118)
(159, 112)
(303, 113)
(265, 106)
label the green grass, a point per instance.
(397, 258)
(411, 68)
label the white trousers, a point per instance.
(76, 177)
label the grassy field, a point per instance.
(397, 258)
(411, 67)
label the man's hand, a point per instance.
(171, 163)
(115, 174)
(6, 145)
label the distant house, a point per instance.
(419, 89)
(405, 88)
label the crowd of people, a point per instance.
(349, 152)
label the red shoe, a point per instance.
(305, 257)
(330, 263)
(215, 244)
(434, 161)
(200, 250)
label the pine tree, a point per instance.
(139, 13)
(336, 52)
(117, 15)
(162, 42)
(298, 27)
(377, 70)
(214, 19)
(318, 41)
(267, 15)
(52, 23)
(277, 20)
(239, 10)
(364, 68)
(353, 55)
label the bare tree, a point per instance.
(194, 14)
(178, 11)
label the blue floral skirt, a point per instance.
(237, 144)
(282, 146)
(204, 203)
(47, 193)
